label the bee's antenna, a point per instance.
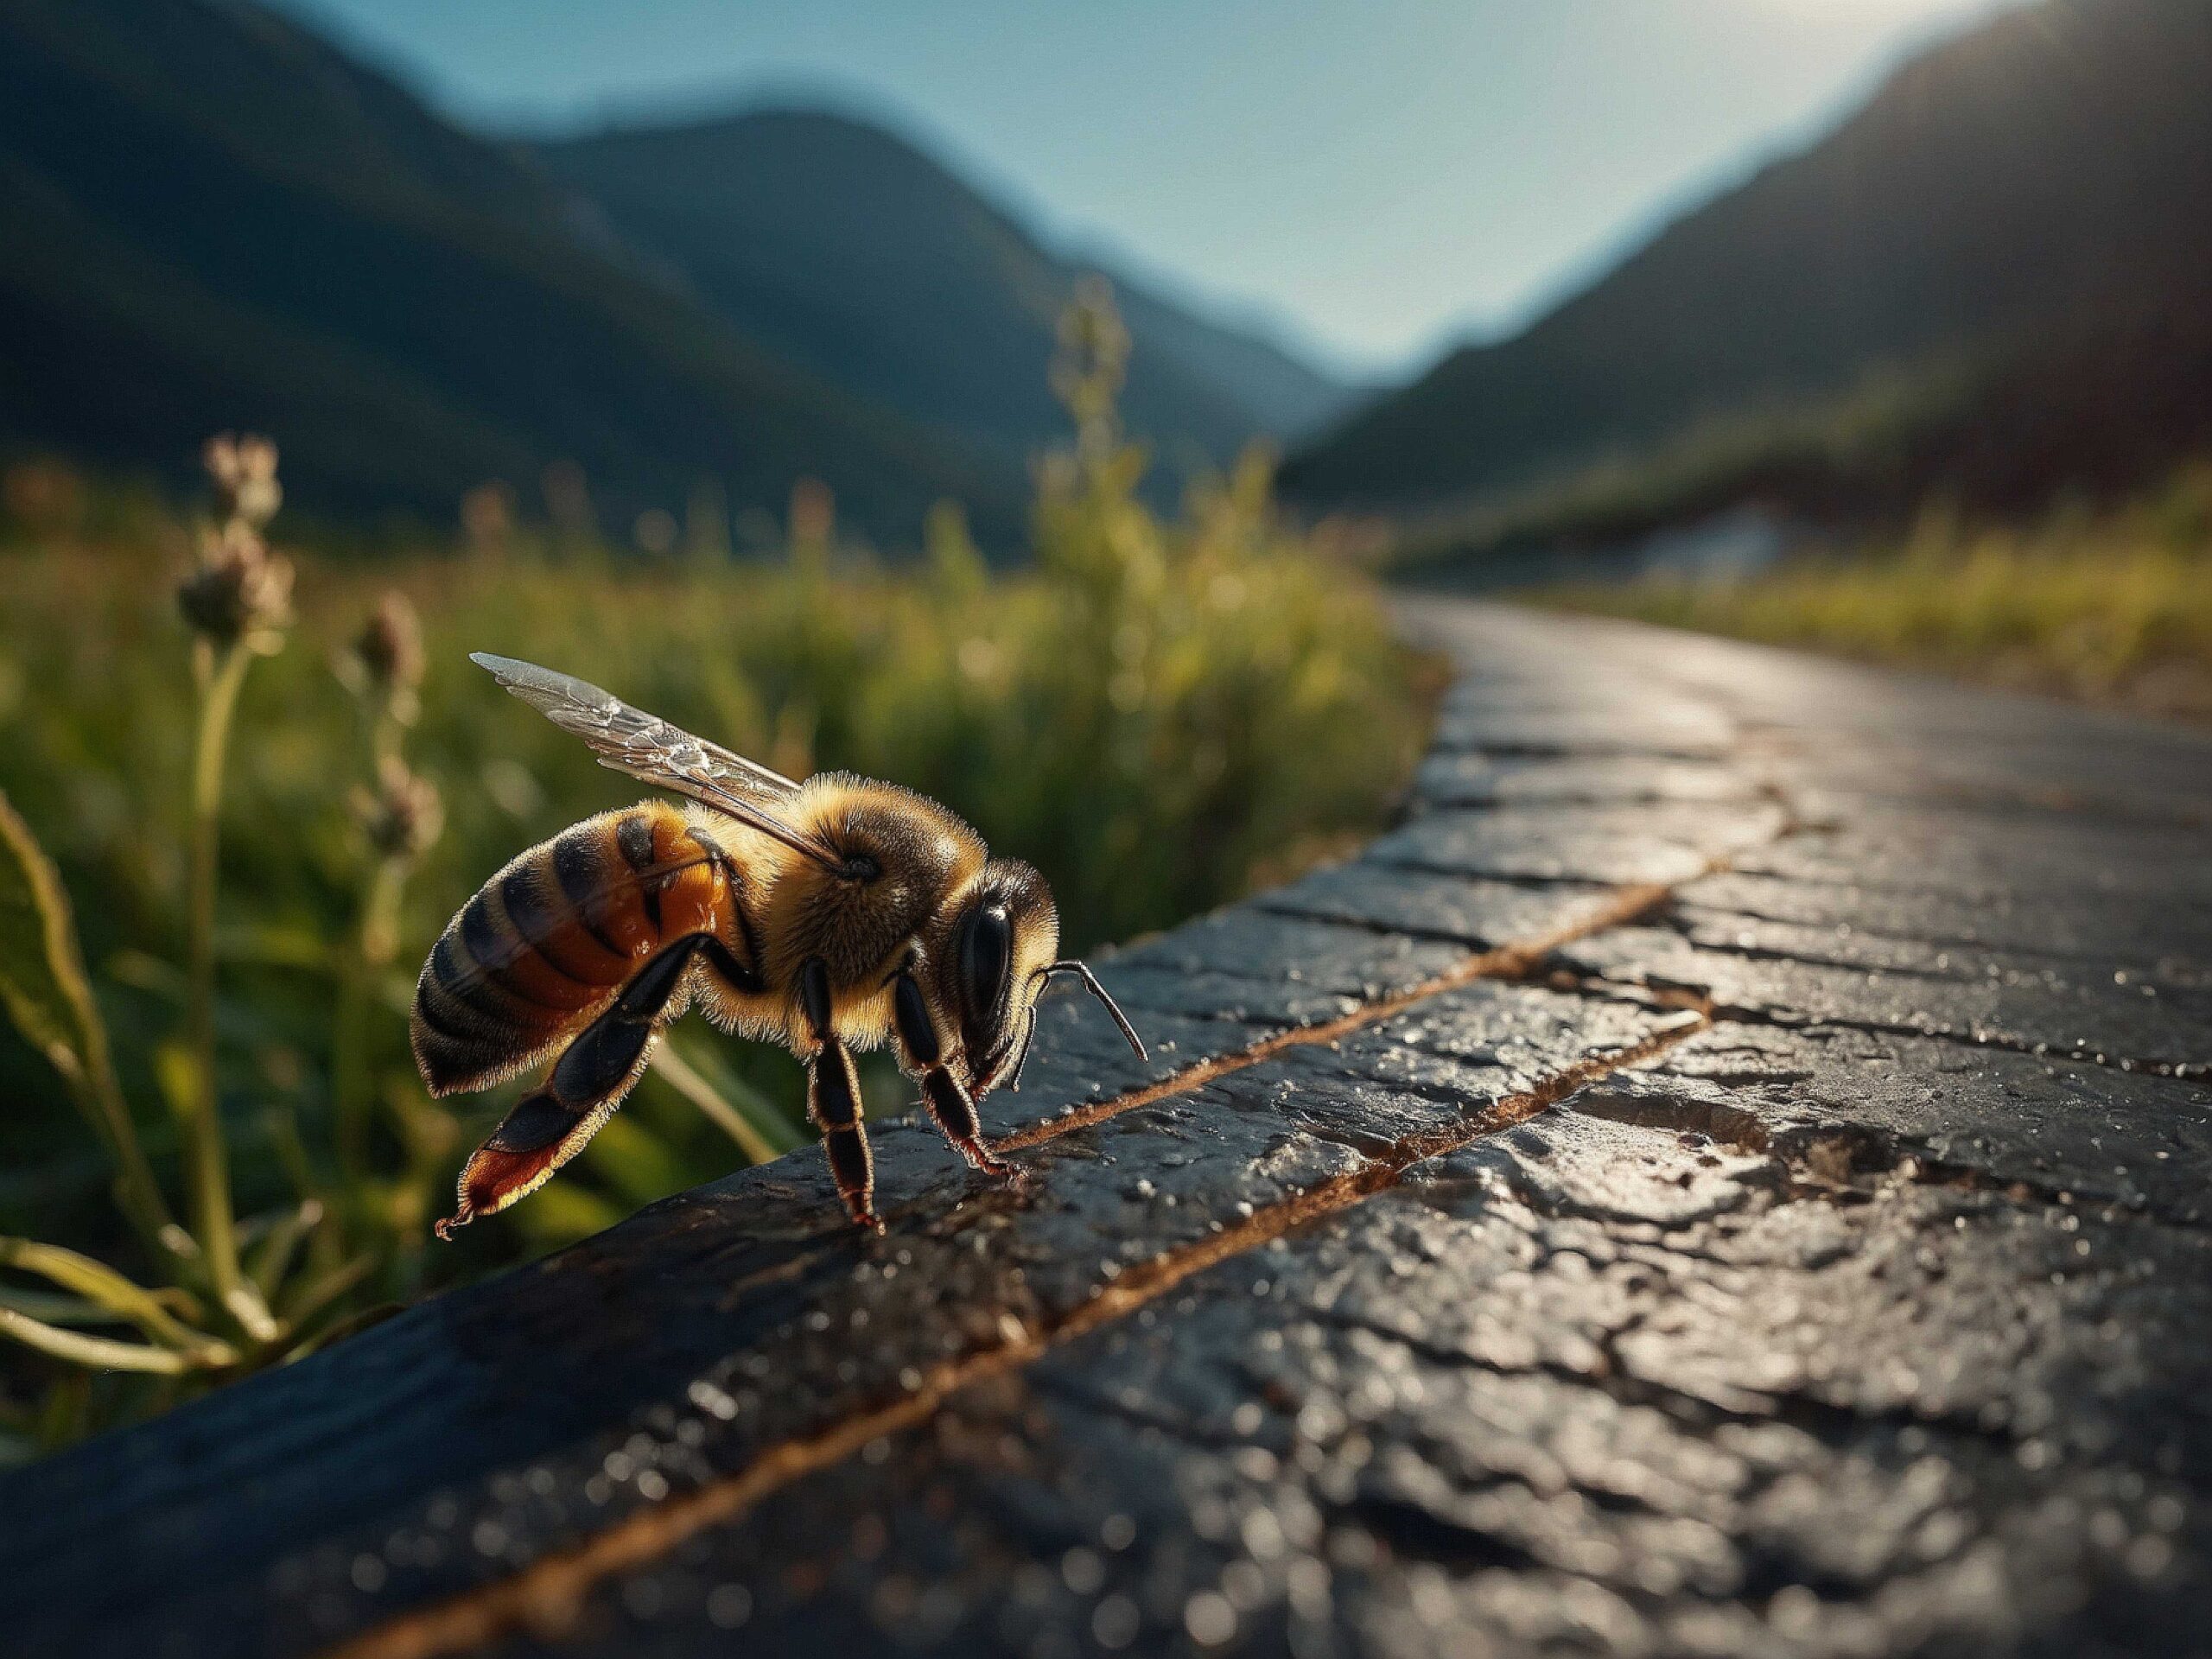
(1090, 980)
(1028, 1036)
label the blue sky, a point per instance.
(1371, 179)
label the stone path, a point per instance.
(1727, 1176)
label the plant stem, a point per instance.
(374, 945)
(138, 1193)
(207, 1160)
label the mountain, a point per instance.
(216, 219)
(854, 254)
(2029, 204)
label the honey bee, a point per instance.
(826, 916)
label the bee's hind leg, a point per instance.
(833, 1100)
(549, 1127)
(948, 1099)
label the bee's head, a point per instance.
(1002, 950)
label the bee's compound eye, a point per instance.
(986, 953)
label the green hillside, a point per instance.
(852, 253)
(2028, 206)
(216, 219)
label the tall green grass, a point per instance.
(1159, 714)
(2111, 607)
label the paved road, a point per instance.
(1727, 1176)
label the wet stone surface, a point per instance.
(1728, 1175)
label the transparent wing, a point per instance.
(650, 749)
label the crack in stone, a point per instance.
(1437, 1094)
(1492, 750)
(1411, 865)
(1626, 906)
(1367, 1146)
(1835, 1425)
(1426, 935)
(1457, 1358)
(2183, 1071)
(1724, 947)
(2065, 803)
(1725, 912)
(1563, 976)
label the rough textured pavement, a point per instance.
(1726, 1176)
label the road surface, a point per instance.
(1728, 1175)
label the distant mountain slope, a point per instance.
(861, 257)
(2042, 178)
(214, 218)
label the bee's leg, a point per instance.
(833, 1099)
(946, 1097)
(727, 963)
(547, 1129)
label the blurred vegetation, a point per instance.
(1160, 714)
(2109, 606)
(2100, 410)
(1810, 456)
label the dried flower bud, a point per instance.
(814, 513)
(240, 591)
(487, 517)
(390, 646)
(244, 470)
(1094, 343)
(403, 817)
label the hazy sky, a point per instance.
(1378, 177)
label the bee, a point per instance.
(827, 916)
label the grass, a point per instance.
(1161, 714)
(2109, 607)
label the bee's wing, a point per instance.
(649, 748)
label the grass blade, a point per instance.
(272, 1262)
(94, 1353)
(123, 1298)
(43, 985)
(743, 1113)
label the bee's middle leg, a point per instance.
(833, 1100)
(948, 1099)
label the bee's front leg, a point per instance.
(922, 1053)
(833, 1100)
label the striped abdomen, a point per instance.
(549, 941)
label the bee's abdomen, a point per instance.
(550, 939)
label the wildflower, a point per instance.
(244, 472)
(403, 816)
(240, 591)
(386, 661)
